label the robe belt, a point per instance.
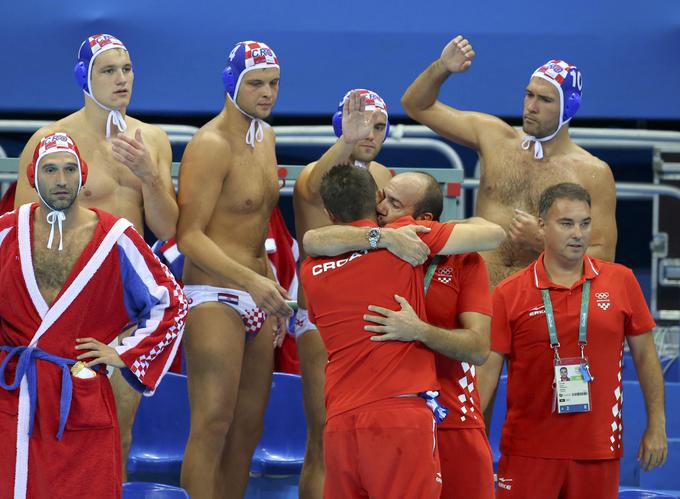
(26, 366)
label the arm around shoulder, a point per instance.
(475, 234)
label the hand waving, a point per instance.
(457, 55)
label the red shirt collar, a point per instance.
(541, 279)
(364, 222)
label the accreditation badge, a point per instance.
(572, 385)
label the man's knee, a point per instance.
(212, 425)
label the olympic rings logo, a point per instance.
(602, 296)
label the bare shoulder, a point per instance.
(594, 170)
(207, 149)
(381, 174)
(301, 183)
(379, 167)
(150, 133)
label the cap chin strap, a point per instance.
(115, 116)
(255, 131)
(53, 217)
(538, 148)
(58, 217)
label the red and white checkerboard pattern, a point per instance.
(56, 142)
(467, 383)
(555, 70)
(104, 42)
(253, 318)
(372, 100)
(259, 54)
(616, 425)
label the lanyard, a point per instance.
(583, 318)
(430, 271)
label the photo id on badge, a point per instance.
(572, 385)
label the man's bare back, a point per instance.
(111, 186)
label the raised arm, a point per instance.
(653, 445)
(149, 158)
(355, 127)
(203, 172)
(420, 101)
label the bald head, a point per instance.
(415, 194)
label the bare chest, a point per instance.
(252, 184)
(516, 180)
(108, 180)
(53, 267)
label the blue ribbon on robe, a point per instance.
(26, 366)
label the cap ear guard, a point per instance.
(80, 72)
(83, 172)
(228, 80)
(572, 104)
(30, 173)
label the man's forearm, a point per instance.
(205, 254)
(333, 240)
(487, 377)
(423, 92)
(339, 153)
(160, 209)
(652, 386)
(464, 345)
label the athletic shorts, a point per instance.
(538, 478)
(386, 450)
(467, 463)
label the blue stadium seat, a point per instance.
(498, 418)
(278, 458)
(673, 409)
(147, 490)
(160, 433)
(644, 494)
(281, 449)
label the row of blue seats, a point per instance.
(145, 490)
(162, 427)
(161, 430)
